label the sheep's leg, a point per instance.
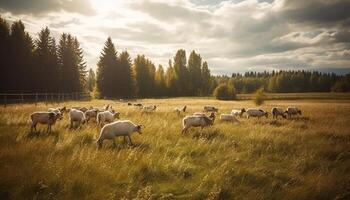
(124, 139)
(114, 144)
(184, 130)
(130, 142)
(71, 124)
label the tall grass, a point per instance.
(302, 158)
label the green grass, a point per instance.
(302, 158)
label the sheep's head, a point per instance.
(299, 112)
(62, 110)
(99, 144)
(212, 117)
(138, 128)
(184, 109)
(243, 110)
(266, 114)
(284, 115)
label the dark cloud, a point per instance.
(37, 7)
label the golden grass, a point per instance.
(302, 158)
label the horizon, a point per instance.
(232, 36)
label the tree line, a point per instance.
(44, 65)
(40, 65)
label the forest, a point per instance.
(43, 64)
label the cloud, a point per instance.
(233, 36)
(37, 7)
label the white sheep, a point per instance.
(276, 111)
(293, 111)
(179, 110)
(82, 109)
(199, 114)
(229, 117)
(210, 109)
(76, 115)
(237, 112)
(48, 118)
(118, 128)
(106, 117)
(57, 111)
(149, 108)
(253, 112)
(197, 121)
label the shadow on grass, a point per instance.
(207, 134)
(38, 134)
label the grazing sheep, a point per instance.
(276, 111)
(48, 118)
(149, 108)
(229, 117)
(197, 121)
(210, 109)
(253, 112)
(76, 115)
(238, 112)
(58, 112)
(129, 104)
(106, 116)
(118, 128)
(179, 110)
(138, 104)
(293, 111)
(91, 114)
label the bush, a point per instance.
(259, 97)
(224, 91)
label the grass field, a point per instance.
(302, 158)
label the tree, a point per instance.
(181, 73)
(160, 82)
(144, 76)
(4, 55)
(224, 91)
(170, 80)
(126, 79)
(105, 69)
(91, 80)
(20, 76)
(259, 97)
(206, 80)
(194, 72)
(46, 61)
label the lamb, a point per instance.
(179, 110)
(276, 111)
(197, 121)
(229, 117)
(238, 112)
(48, 118)
(118, 128)
(210, 109)
(253, 112)
(76, 115)
(106, 116)
(293, 111)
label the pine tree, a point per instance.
(4, 55)
(126, 80)
(106, 68)
(91, 80)
(46, 62)
(143, 70)
(160, 82)
(170, 80)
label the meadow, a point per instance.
(306, 157)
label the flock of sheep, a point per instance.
(110, 129)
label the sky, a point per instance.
(232, 36)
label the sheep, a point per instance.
(149, 108)
(253, 112)
(106, 116)
(179, 110)
(197, 121)
(199, 114)
(43, 117)
(76, 115)
(276, 111)
(91, 114)
(238, 112)
(229, 117)
(58, 111)
(210, 109)
(292, 111)
(118, 128)
(83, 109)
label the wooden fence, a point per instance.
(41, 97)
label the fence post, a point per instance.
(22, 98)
(36, 98)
